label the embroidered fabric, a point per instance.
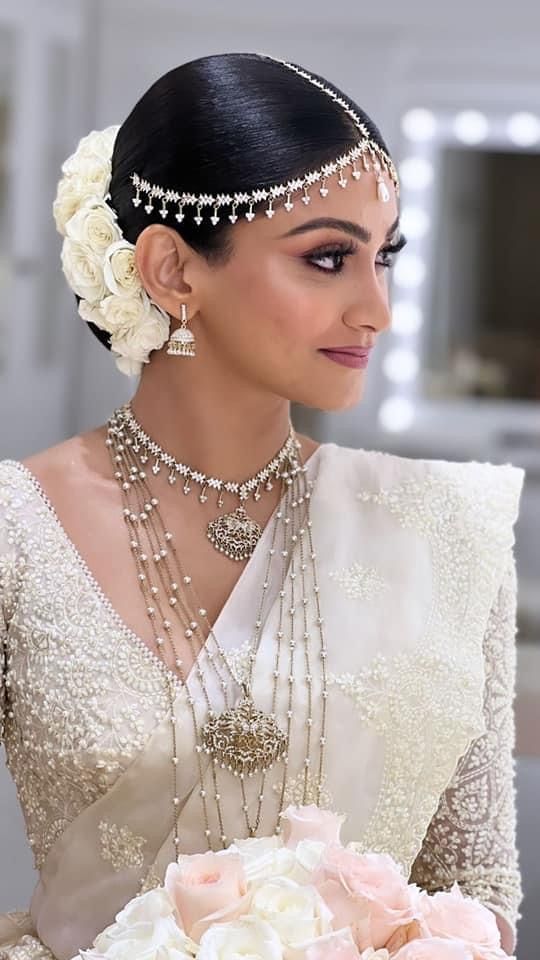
(472, 837)
(61, 758)
(455, 521)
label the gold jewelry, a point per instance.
(155, 554)
(182, 342)
(233, 534)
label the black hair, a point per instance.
(220, 124)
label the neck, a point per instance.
(207, 421)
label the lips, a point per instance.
(350, 351)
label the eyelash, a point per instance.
(347, 249)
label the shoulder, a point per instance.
(58, 470)
(477, 496)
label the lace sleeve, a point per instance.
(2, 677)
(472, 836)
(9, 567)
(3, 652)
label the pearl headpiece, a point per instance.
(365, 152)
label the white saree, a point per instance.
(418, 592)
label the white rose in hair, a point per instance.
(71, 193)
(132, 368)
(91, 313)
(87, 173)
(96, 146)
(137, 326)
(119, 269)
(82, 270)
(94, 226)
(91, 178)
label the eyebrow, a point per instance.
(347, 226)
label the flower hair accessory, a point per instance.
(98, 262)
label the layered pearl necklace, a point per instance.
(242, 740)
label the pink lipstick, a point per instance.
(356, 357)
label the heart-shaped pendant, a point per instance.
(234, 534)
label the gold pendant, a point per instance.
(243, 739)
(234, 534)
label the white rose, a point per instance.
(95, 174)
(338, 943)
(295, 911)
(119, 269)
(307, 854)
(83, 271)
(248, 936)
(94, 226)
(97, 145)
(265, 857)
(71, 193)
(132, 368)
(145, 926)
(250, 848)
(137, 326)
(87, 173)
(90, 312)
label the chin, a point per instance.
(331, 400)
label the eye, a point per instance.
(335, 253)
(386, 257)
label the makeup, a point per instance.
(353, 357)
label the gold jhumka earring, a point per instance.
(182, 341)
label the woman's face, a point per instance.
(294, 288)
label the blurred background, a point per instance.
(455, 90)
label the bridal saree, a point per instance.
(418, 592)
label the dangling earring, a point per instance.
(182, 341)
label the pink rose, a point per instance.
(365, 891)
(338, 945)
(450, 914)
(207, 888)
(310, 823)
(434, 948)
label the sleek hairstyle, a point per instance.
(220, 124)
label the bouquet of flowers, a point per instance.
(299, 895)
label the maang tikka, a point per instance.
(182, 342)
(370, 156)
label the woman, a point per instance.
(202, 608)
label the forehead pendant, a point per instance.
(365, 155)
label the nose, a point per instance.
(371, 307)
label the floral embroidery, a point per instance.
(238, 660)
(120, 847)
(84, 696)
(359, 582)
(463, 513)
(294, 791)
(27, 948)
(150, 881)
(472, 836)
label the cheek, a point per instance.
(288, 305)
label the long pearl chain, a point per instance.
(155, 560)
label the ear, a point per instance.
(161, 256)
